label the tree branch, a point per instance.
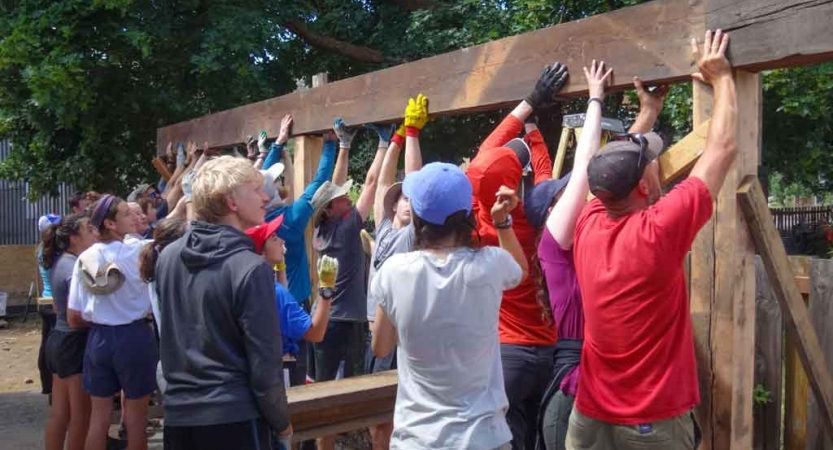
(414, 5)
(352, 51)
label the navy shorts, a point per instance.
(121, 357)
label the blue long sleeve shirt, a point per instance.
(296, 216)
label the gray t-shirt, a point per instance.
(341, 239)
(60, 277)
(389, 241)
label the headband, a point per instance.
(100, 209)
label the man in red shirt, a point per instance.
(639, 373)
(527, 341)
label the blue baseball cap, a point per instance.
(538, 199)
(437, 191)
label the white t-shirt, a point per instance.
(451, 393)
(128, 304)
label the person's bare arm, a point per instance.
(561, 222)
(387, 176)
(506, 202)
(650, 107)
(721, 141)
(320, 320)
(75, 320)
(180, 211)
(416, 117)
(288, 177)
(345, 140)
(365, 202)
(384, 334)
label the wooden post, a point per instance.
(307, 155)
(798, 323)
(723, 287)
(821, 314)
(769, 353)
(796, 386)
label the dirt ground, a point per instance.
(19, 345)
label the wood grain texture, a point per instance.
(798, 322)
(765, 34)
(680, 157)
(769, 353)
(737, 281)
(796, 386)
(821, 314)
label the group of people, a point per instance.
(518, 313)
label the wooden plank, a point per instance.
(680, 157)
(821, 314)
(765, 34)
(701, 291)
(769, 245)
(561, 152)
(162, 168)
(342, 427)
(769, 354)
(736, 280)
(796, 386)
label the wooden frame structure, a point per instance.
(650, 40)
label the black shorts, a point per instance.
(65, 352)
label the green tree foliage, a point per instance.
(86, 83)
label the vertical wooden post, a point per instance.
(723, 287)
(821, 314)
(307, 156)
(796, 384)
(769, 357)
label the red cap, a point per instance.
(261, 233)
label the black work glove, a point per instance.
(551, 81)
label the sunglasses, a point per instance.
(153, 195)
(639, 140)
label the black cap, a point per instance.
(616, 169)
(522, 151)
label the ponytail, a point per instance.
(55, 238)
(167, 231)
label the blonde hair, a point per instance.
(216, 180)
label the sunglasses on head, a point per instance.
(639, 140)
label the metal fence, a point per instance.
(19, 216)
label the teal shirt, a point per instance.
(296, 216)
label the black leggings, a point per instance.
(47, 324)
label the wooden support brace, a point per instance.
(561, 152)
(162, 168)
(769, 246)
(680, 157)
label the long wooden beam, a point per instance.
(774, 256)
(650, 40)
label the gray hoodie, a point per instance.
(221, 340)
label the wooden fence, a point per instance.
(812, 216)
(779, 374)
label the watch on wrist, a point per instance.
(327, 293)
(505, 224)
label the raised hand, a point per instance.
(650, 100)
(345, 134)
(384, 131)
(597, 79)
(507, 200)
(251, 147)
(286, 125)
(711, 60)
(180, 154)
(551, 81)
(416, 113)
(327, 271)
(261, 143)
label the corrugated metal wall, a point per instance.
(18, 216)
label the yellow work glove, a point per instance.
(327, 272)
(416, 115)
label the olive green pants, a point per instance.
(677, 433)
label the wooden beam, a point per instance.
(739, 287)
(766, 34)
(769, 245)
(162, 168)
(680, 157)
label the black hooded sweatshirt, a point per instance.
(220, 335)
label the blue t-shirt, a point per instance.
(44, 276)
(294, 320)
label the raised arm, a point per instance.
(416, 116)
(325, 167)
(345, 140)
(561, 222)
(552, 79)
(650, 106)
(387, 176)
(721, 142)
(368, 194)
(276, 150)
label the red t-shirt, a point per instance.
(637, 363)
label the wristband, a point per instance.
(412, 131)
(595, 99)
(398, 139)
(280, 267)
(506, 224)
